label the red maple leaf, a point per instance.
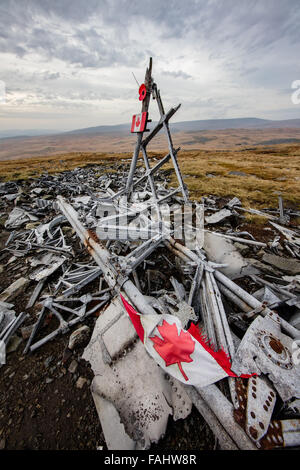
(173, 348)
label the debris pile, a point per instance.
(163, 276)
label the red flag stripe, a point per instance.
(135, 318)
(220, 356)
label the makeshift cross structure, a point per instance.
(120, 201)
(139, 126)
(145, 92)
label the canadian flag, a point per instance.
(139, 122)
(186, 355)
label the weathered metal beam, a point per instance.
(156, 167)
(111, 273)
(238, 239)
(234, 298)
(223, 410)
(165, 124)
(225, 441)
(145, 106)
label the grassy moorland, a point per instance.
(228, 139)
(265, 172)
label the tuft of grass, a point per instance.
(255, 219)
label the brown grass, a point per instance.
(269, 172)
(33, 167)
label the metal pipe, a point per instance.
(145, 106)
(223, 410)
(254, 303)
(234, 298)
(221, 339)
(102, 258)
(206, 316)
(170, 144)
(225, 441)
(195, 283)
(134, 161)
(154, 168)
(223, 317)
(274, 287)
(238, 239)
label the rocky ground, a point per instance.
(46, 405)
(45, 400)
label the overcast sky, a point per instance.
(68, 64)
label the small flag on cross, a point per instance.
(139, 122)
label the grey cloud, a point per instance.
(178, 74)
(74, 42)
(254, 43)
(50, 75)
(242, 26)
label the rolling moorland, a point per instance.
(255, 164)
(216, 134)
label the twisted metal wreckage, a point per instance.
(133, 395)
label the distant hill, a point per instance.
(183, 126)
(200, 125)
(212, 134)
(237, 123)
(18, 133)
(115, 129)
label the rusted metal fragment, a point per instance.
(240, 412)
(284, 433)
(256, 403)
(265, 349)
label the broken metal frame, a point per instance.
(111, 272)
(11, 327)
(216, 406)
(41, 238)
(77, 278)
(237, 290)
(141, 146)
(7, 333)
(77, 315)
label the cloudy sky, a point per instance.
(68, 64)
